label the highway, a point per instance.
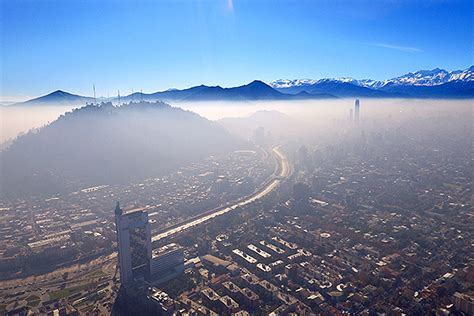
(284, 170)
(104, 268)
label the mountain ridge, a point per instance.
(59, 96)
(437, 83)
(255, 90)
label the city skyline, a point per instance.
(236, 157)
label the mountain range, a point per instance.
(256, 90)
(422, 83)
(436, 83)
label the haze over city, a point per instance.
(236, 158)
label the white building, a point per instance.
(166, 262)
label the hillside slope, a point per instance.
(106, 144)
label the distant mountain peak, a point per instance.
(58, 97)
(61, 93)
(257, 83)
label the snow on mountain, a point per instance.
(432, 77)
(370, 83)
(286, 83)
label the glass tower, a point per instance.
(134, 244)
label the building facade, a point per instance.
(134, 244)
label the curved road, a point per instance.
(50, 281)
(272, 184)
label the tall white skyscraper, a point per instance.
(134, 244)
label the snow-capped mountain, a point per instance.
(432, 77)
(436, 83)
(419, 78)
(408, 84)
(287, 83)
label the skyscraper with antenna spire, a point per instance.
(95, 100)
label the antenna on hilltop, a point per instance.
(95, 100)
(118, 92)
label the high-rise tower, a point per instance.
(357, 110)
(134, 244)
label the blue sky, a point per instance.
(156, 45)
